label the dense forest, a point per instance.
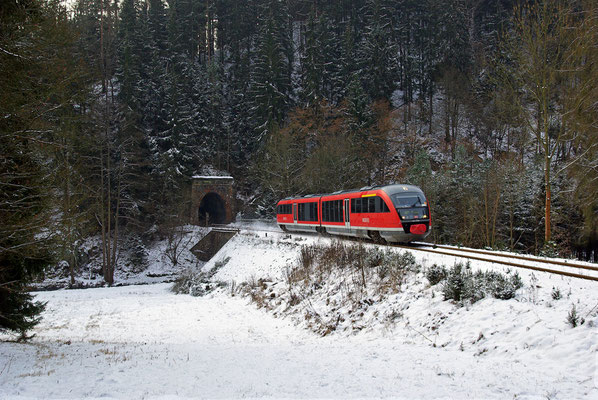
(109, 107)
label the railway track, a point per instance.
(574, 270)
(565, 268)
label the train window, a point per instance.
(285, 209)
(374, 204)
(308, 211)
(380, 205)
(332, 211)
(355, 206)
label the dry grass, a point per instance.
(334, 284)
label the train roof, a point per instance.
(396, 189)
(388, 189)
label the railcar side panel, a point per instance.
(396, 213)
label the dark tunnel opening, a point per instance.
(212, 210)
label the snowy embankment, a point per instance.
(146, 342)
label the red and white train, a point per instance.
(395, 213)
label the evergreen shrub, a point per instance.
(556, 293)
(436, 273)
(573, 318)
(461, 284)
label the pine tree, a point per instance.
(320, 77)
(39, 85)
(271, 87)
(215, 134)
(312, 63)
(129, 54)
(237, 31)
(377, 52)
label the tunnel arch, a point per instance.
(213, 197)
(212, 210)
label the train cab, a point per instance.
(413, 211)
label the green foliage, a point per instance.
(436, 273)
(271, 75)
(19, 313)
(463, 285)
(556, 294)
(420, 172)
(376, 55)
(549, 249)
(457, 282)
(572, 317)
(500, 286)
(39, 84)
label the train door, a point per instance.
(295, 213)
(347, 209)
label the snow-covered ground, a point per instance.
(137, 263)
(145, 342)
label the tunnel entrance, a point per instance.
(212, 210)
(212, 200)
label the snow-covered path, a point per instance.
(146, 342)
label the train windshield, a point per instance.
(408, 201)
(411, 206)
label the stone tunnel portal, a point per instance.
(212, 210)
(212, 200)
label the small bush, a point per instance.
(436, 273)
(461, 284)
(198, 283)
(182, 284)
(556, 294)
(573, 318)
(455, 283)
(502, 286)
(336, 276)
(550, 250)
(406, 260)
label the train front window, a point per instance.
(411, 207)
(408, 201)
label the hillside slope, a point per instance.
(146, 342)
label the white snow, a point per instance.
(144, 342)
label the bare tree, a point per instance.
(540, 77)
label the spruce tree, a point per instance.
(40, 86)
(377, 52)
(271, 87)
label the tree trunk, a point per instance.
(547, 224)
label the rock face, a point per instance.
(212, 200)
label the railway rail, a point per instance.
(570, 269)
(564, 268)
